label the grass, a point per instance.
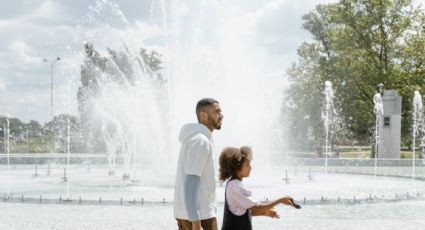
(366, 154)
(355, 154)
(35, 145)
(409, 154)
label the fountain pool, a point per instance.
(98, 200)
(332, 201)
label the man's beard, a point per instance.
(214, 124)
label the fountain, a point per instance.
(8, 154)
(112, 110)
(208, 50)
(48, 171)
(35, 171)
(68, 152)
(329, 115)
(417, 126)
(379, 111)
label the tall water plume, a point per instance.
(417, 126)
(378, 110)
(329, 117)
(206, 49)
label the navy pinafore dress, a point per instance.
(232, 221)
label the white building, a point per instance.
(391, 126)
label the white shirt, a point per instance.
(238, 197)
(196, 158)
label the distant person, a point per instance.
(239, 207)
(194, 193)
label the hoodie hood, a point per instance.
(188, 130)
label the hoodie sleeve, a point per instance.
(198, 151)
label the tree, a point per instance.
(356, 45)
(57, 131)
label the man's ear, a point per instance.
(203, 115)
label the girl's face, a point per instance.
(245, 169)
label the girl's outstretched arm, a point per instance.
(263, 209)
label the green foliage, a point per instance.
(22, 135)
(59, 128)
(356, 45)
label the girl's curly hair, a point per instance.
(231, 160)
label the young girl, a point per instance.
(235, 164)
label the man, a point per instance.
(194, 193)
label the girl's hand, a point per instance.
(287, 200)
(271, 213)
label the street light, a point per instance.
(28, 151)
(51, 83)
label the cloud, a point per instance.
(24, 54)
(29, 99)
(2, 85)
(26, 39)
(31, 31)
(25, 104)
(48, 29)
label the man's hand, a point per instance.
(271, 213)
(196, 225)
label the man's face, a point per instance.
(214, 116)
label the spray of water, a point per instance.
(417, 126)
(329, 116)
(207, 50)
(8, 153)
(379, 111)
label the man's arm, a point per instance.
(197, 156)
(191, 187)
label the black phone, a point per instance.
(295, 205)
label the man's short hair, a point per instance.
(202, 104)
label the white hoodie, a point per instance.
(196, 158)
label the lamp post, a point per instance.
(51, 83)
(28, 151)
(51, 91)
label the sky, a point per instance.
(34, 33)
